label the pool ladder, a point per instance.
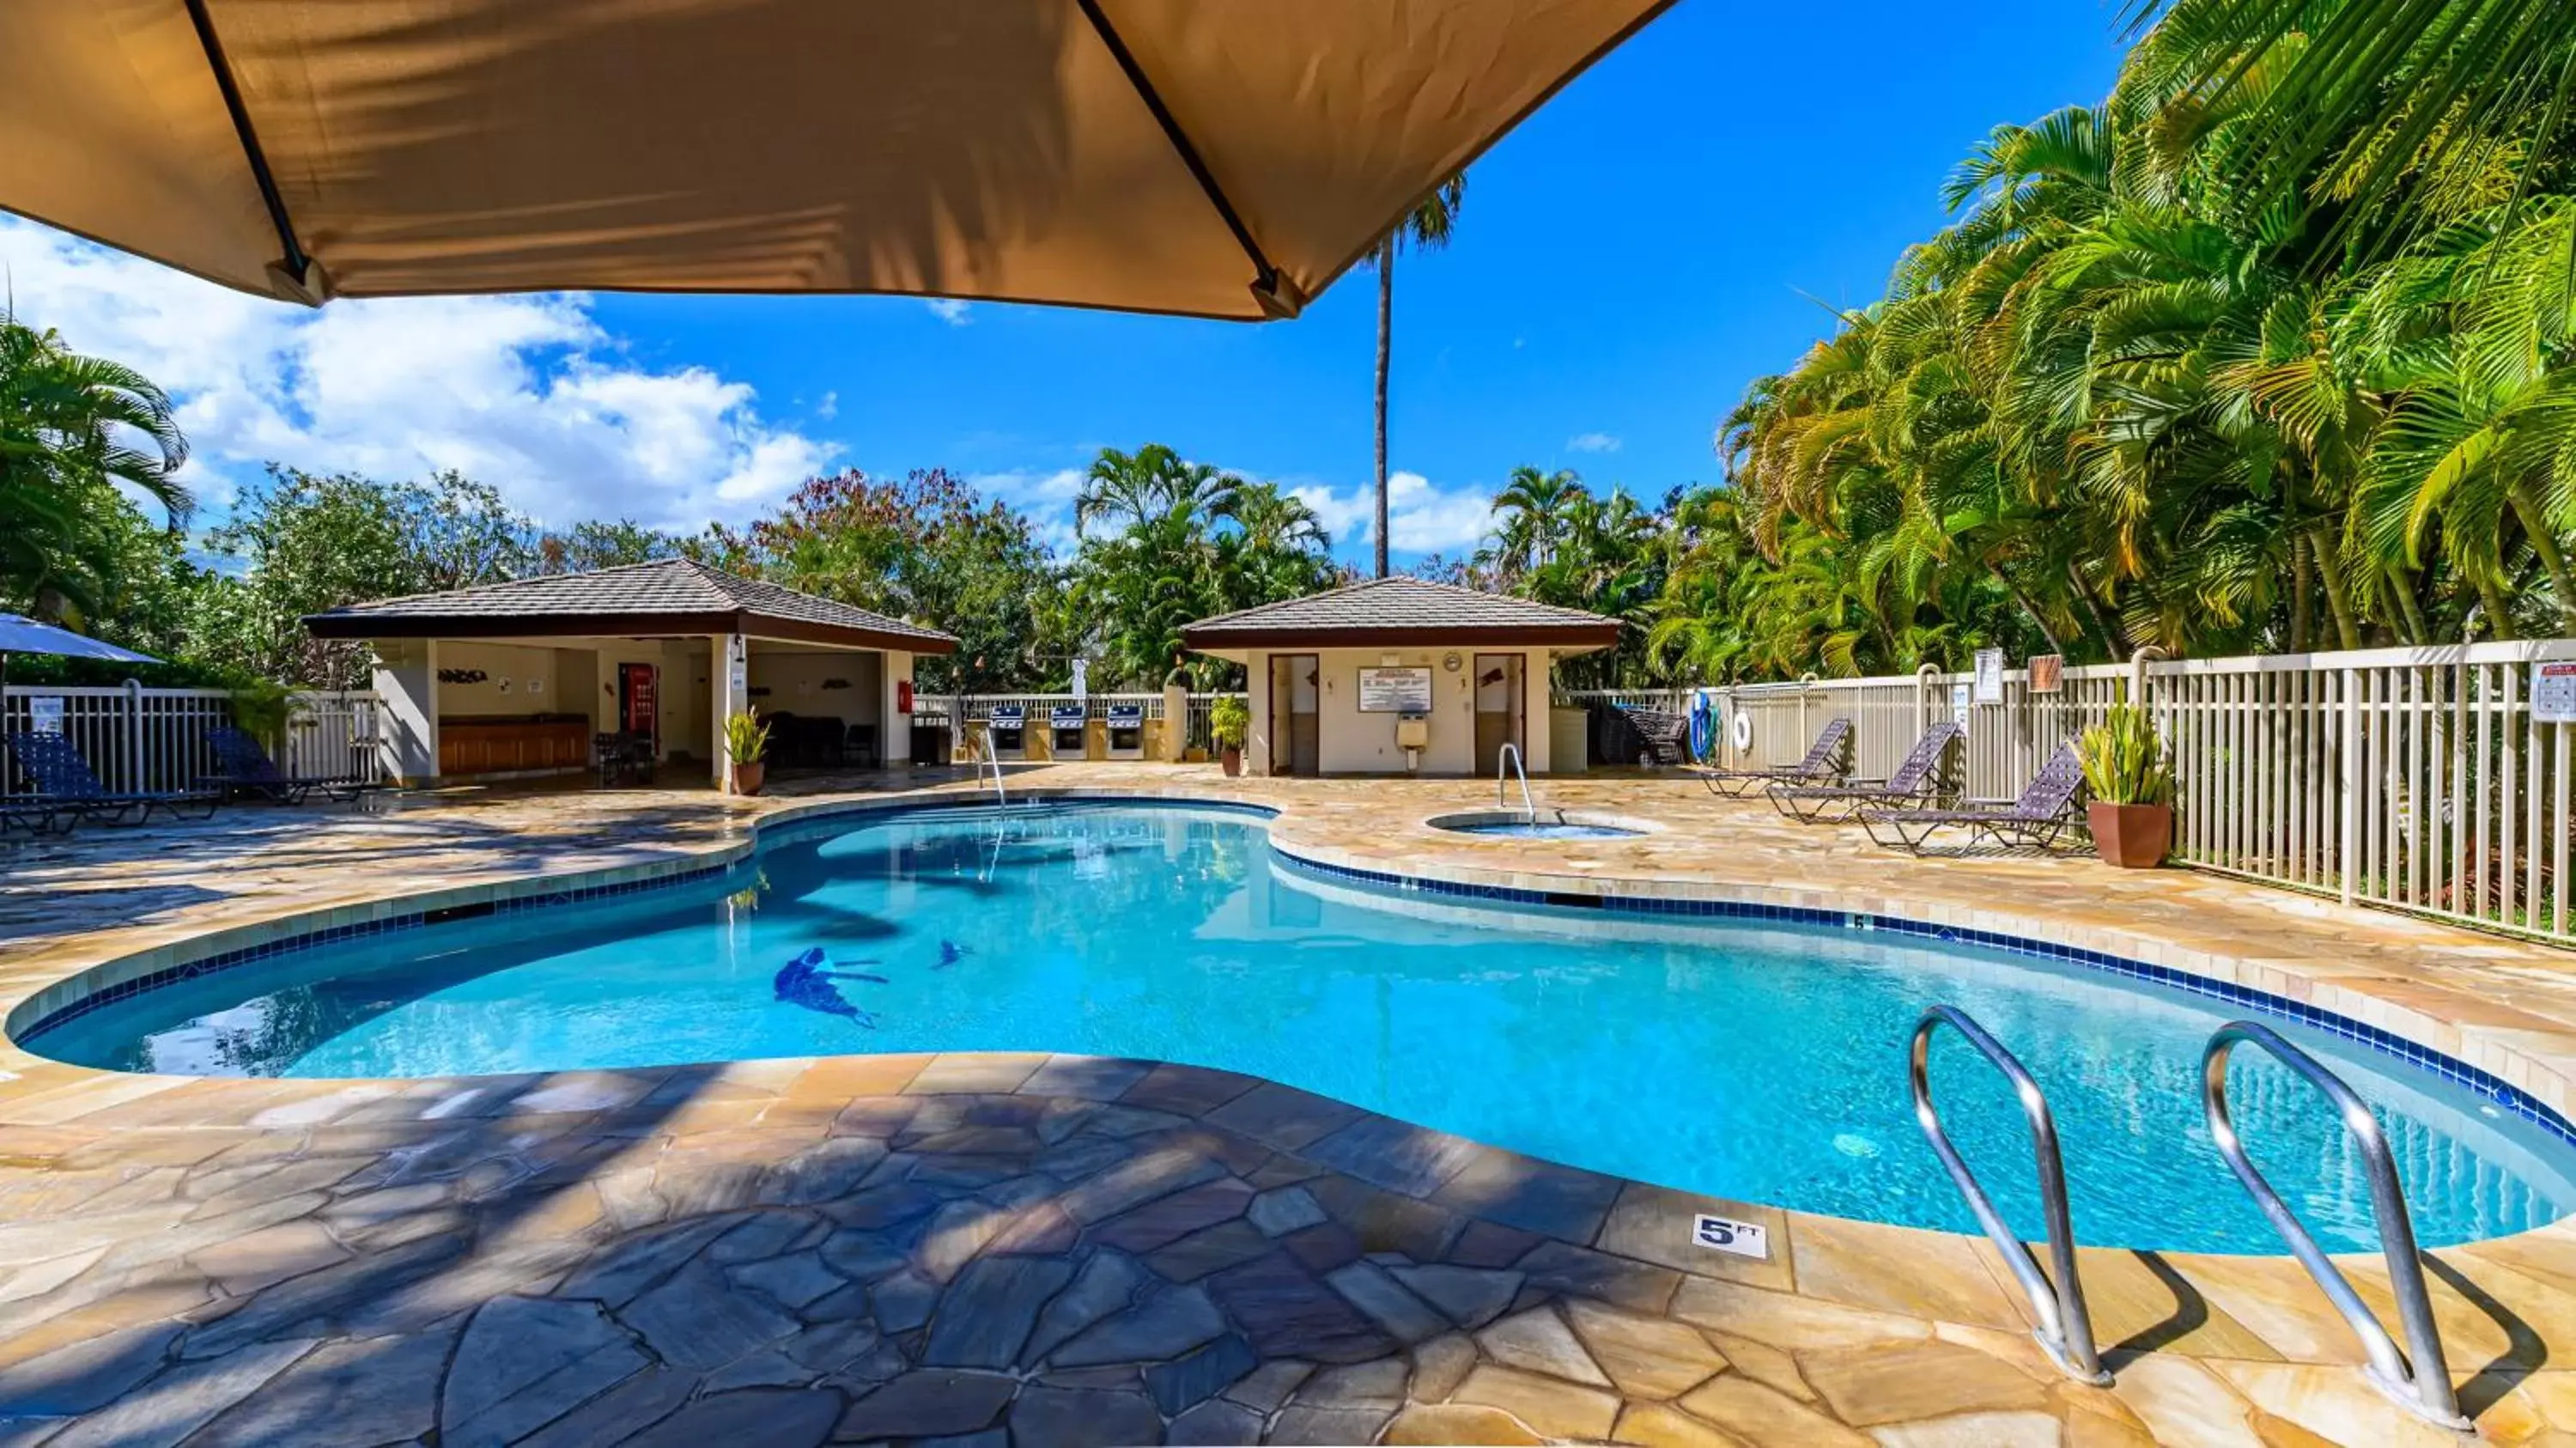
(1506, 763)
(2065, 1329)
(986, 756)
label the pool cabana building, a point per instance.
(1399, 675)
(517, 677)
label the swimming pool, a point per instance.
(1755, 1060)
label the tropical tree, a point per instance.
(73, 429)
(1428, 225)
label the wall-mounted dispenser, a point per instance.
(1412, 735)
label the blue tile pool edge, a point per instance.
(744, 855)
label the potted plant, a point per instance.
(746, 745)
(2131, 811)
(1228, 723)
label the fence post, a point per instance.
(2348, 809)
(134, 775)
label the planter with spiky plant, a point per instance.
(2131, 812)
(1228, 724)
(746, 746)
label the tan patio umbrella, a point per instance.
(1219, 158)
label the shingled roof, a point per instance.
(669, 596)
(1401, 611)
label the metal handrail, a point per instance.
(2425, 1390)
(2065, 1329)
(1511, 754)
(985, 741)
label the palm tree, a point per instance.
(1533, 508)
(1147, 484)
(69, 426)
(1429, 225)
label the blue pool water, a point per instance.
(1525, 830)
(1760, 1062)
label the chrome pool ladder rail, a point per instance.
(984, 742)
(2425, 1388)
(1510, 754)
(2065, 1330)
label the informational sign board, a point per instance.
(45, 714)
(1395, 691)
(1726, 1234)
(1990, 676)
(2048, 673)
(1959, 705)
(2553, 692)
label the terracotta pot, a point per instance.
(2131, 836)
(1233, 758)
(747, 778)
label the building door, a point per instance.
(638, 701)
(1296, 723)
(1498, 710)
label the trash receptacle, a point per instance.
(930, 741)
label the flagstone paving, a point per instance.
(1050, 1250)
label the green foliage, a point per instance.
(1229, 722)
(746, 739)
(69, 427)
(262, 708)
(2124, 760)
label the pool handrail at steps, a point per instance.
(2423, 1389)
(1510, 754)
(2065, 1324)
(985, 756)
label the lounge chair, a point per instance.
(59, 776)
(243, 767)
(1823, 765)
(1912, 783)
(35, 816)
(2043, 811)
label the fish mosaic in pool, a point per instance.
(1757, 1061)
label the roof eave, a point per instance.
(363, 625)
(1571, 638)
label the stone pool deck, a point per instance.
(1053, 1250)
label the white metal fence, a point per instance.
(2418, 779)
(139, 739)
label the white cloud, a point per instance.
(949, 310)
(829, 407)
(527, 393)
(1046, 499)
(1592, 442)
(1422, 517)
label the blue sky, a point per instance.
(1669, 227)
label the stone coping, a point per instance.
(2255, 1322)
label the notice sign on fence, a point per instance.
(2553, 692)
(2048, 673)
(1990, 676)
(45, 714)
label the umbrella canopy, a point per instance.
(1212, 159)
(20, 634)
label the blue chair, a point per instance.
(245, 768)
(59, 777)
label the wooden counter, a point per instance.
(498, 746)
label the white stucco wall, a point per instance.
(1352, 742)
(516, 679)
(795, 682)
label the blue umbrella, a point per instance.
(20, 634)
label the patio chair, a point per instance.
(2043, 811)
(1913, 783)
(35, 816)
(245, 768)
(624, 758)
(60, 777)
(1823, 765)
(859, 746)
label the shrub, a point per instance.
(1229, 722)
(2124, 761)
(746, 739)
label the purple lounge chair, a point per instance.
(1823, 765)
(1911, 785)
(2043, 811)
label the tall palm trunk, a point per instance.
(1385, 345)
(2055, 645)
(2321, 546)
(2535, 525)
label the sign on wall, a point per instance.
(2553, 693)
(1395, 691)
(2048, 673)
(1990, 676)
(45, 714)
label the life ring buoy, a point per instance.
(1743, 730)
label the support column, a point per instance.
(1176, 722)
(730, 679)
(406, 685)
(894, 689)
